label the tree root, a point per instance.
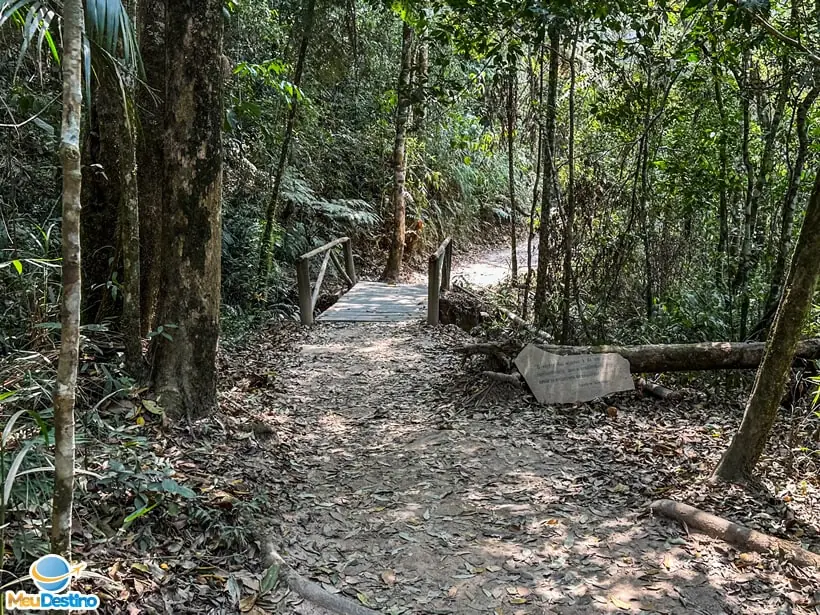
(733, 533)
(513, 379)
(310, 591)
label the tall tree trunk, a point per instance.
(740, 459)
(102, 151)
(784, 246)
(723, 180)
(396, 253)
(748, 255)
(150, 104)
(536, 98)
(422, 76)
(66, 385)
(185, 367)
(646, 222)
(130, 226)
(512, 83)
(266, 246)
(540, 301)
(742, 78)
(570, 227)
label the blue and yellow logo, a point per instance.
(52, 575)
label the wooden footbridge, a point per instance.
(372, 301)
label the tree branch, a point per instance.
(781, 36)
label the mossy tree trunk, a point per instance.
(740, 459)
(65, 388)
(185, 366)
(102, 151)
(150, 103)
(540, 301)
(130, 224)
(396, 253)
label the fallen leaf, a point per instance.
(270, 579)
(389, 578)
(247, 603)
(363, 599)
(620, 603)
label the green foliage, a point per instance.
(108, 30)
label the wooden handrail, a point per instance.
(324, 248)
(307, 296)
(438, 274)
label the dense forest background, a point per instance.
(652, 168)
(691, 146)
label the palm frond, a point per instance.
(108, 29)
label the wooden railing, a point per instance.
(440, 267)
(308, 298)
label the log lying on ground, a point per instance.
(657, 390)
(733, 533)
(690, 357)
(310, 591)
(668, 357)
(541, 336)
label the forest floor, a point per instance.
(399, 479)
(386, 469)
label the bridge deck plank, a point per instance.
(379, 302)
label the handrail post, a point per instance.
(447, 267)
(350, 266)
(433, 290)
(305, 299)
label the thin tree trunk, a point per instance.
(130, 227)
(570, 227)
(422, 76)
(738, 283)
(642, 173)
(396, 253)
(185, 366)
(539, 147)
(272, 211)
(540, 301)
(723, 180)
(748, 256)
(65, 389)
(740, 459)
(784, 246)
(512, 83)
(150, 104)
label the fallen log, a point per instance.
(656, 358)
(742, 537)
(690, 357)
(657, 390)
(541, 336)
(310, 591)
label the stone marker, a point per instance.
(558, 379)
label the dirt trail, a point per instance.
(414, 490)
(492, 267)
(484, 268)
